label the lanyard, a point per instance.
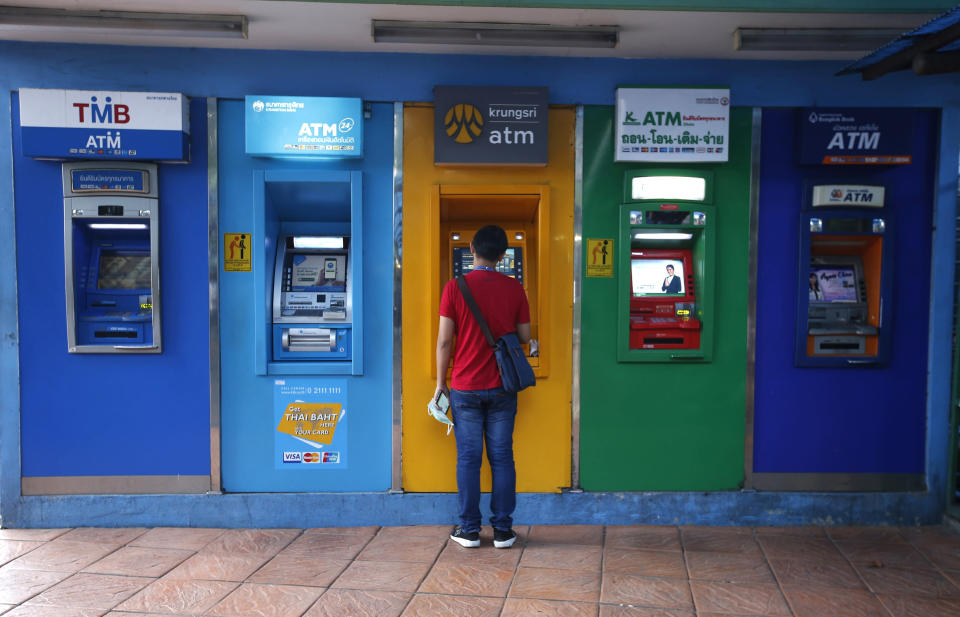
(487, 268)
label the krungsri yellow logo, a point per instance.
(463, 122)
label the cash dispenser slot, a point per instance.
(308, 339)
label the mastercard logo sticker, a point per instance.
(311, 457)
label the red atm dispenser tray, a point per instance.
(664, 333)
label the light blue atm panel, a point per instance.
(306, 335)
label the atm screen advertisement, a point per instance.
(657, 277)
(123, 270)
(318, 272)
(833, 284)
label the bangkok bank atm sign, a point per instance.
(855, 136)
(97, 124)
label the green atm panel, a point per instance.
(665, 419)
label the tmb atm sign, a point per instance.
(855, 136)
(95, 124)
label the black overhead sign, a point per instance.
(478, 125)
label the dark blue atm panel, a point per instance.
(97, 415)
(833, 417)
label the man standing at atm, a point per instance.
(482, 410)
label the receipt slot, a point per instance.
(111, 258)
(844, 294)
(666, 267)
(312, 298)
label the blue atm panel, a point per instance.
(306, 338)
(111, 257)
(839, 421)
(137, 415)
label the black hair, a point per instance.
(490, 242)
(671, 266)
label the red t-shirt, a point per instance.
(503, 304)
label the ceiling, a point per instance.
(346, 27)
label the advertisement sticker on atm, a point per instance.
(311, 423)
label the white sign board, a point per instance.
(99, 124)
(86, 109)
(848, 195)
(673, 125)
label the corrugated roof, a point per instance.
(910, 41)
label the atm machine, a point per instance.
(665, 261)
(512, 265)
(112, 258)
(844, 302)
(664, 299)
(312, 298)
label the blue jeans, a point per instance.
(478, 416)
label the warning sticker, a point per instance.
(237, 253)
(600, 257)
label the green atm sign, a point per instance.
(672, 125)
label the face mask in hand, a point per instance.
(437, 408)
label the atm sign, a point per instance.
(848, 195)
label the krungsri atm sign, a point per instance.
(103, 124)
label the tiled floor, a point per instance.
(562, 571)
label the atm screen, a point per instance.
(317, 272)
(651, 277)
(123, 270)
(833, 284)
(511, 264)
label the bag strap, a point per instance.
(468, 297)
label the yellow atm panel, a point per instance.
(443, 207)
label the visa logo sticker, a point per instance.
(292, 457)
